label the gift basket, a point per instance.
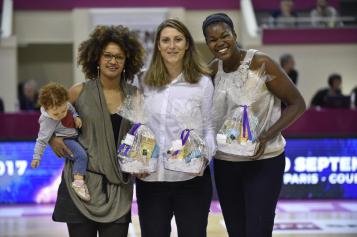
(238, 133)
(138, 151)
(188, 153)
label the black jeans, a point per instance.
(248, 193)
(188, 200)
(91, 229)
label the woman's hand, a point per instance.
(263, 139)
(259, 153)
(59, 148)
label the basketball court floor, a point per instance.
(293, 219)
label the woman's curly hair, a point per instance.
(90, 51)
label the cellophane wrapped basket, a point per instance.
(187, 154)
(138, 151)
(238, 133)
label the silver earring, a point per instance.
(98, 71)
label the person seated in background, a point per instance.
(324, 15)
(285, 16)
(321, 97)
(28, 96)
(2, 108)
(287, 62)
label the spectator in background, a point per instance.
(28, 96)
(2, 108)
(324, 15)
(334, 89)
(285, 16)
(287, 62)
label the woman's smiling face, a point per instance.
(112, 61)
(221, 40)
(172, 46)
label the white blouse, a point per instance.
(173, 108)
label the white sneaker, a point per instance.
(81, 191)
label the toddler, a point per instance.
(59, 118)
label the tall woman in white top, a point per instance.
(175, 85)
(249, 187)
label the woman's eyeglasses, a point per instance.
(108, 57)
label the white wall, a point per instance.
(43, 27)
(8, 73)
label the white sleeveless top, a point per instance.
(245, 87)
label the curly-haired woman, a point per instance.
(109, 58)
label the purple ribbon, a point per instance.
(184, 138)
(134, 128)
(125, 146)
(246, 125)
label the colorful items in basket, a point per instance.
(138, 152)
(238, 133)
(187, 154)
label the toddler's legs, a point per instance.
(80, 161)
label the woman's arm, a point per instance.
(74, 92)
(280, 86)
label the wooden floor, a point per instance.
(294, 218)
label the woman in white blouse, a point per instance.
(177, 94)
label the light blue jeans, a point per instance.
(80, 159)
